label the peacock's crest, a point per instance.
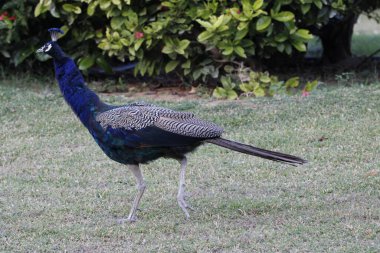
(54, 33)
(51, 47)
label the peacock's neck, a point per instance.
(83, 101)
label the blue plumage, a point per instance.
(138, 133)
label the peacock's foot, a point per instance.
(130, 219)
(184, 206)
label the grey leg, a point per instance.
(181, 189)
(141, 188)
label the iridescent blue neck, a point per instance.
(83, 101)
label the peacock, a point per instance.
(139, 132)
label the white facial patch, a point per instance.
(47, 48)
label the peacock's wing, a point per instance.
(151, 123)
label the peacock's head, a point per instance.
(51, 48)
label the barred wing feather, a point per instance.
(136, 117)
(192, 127)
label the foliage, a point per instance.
(194, 39)
(246, 82)
(15, 19)
(227, 90)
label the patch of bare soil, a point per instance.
(166, 93)
(161, 93)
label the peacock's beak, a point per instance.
(40, 50)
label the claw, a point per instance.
(132, 219)
(184, 206)
(129, 220)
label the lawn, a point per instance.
(58, 192)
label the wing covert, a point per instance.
(140, 115)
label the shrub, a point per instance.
(197, 40)
(16, 43)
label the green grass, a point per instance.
(58, 192)
(365, 44)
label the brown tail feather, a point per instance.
(250, 150)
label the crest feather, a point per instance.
(54, 33)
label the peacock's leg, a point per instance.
(141, 188)
(181, 190)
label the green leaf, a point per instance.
(242, 25)
(91, 8)
(65, 30)
(280, 47)
(104, 4)
(246, 87)
(38, 9)
(5, 53)
(265, 79)
(292, 82)
(288, 49)
(228, 68)
(186, 64)
(41, 7)
(186, 72)
(257, 4)
(138, 44)
(284, 16)
(311, 85)
(263, 23)
(205, 24)
(183, 44)
(72, 8)
(226, 82)
(101, 62)
(231, 94)
(170, 66)
(235, 13)
(167, 49)
(228, 50)
(303, 34)
(179, 51)
(204, 36)
(116, 2)
(240, 51)
(86, 62)
(151, 68)
(259, 92)
(22, 54)
(240, 34)
(117, 22)
(281, 37)
(125, 42)
(318, 3)
(104, 45)
(167, 4)
(299, 45)
(219, 92)
(197, 73)
(305, 8)
(53, 11)
(115, 36)
(246, 43)
(218, 22)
